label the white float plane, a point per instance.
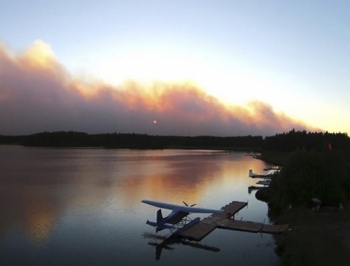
(178, 213)
(266, 175)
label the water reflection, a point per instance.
(167, 243)
(57, 204)
(253, 188)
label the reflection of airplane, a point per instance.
(251, 188)
(176, 216)
(264, 182)
(268, 174)
(166, 243)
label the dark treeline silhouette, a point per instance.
(138, 141)
(309, 141)
(317, 166)
(285, 142)
(310, 174)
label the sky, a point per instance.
(222, 68)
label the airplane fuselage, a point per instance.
(267, 175)
(177, 214)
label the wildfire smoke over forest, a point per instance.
(38, 94)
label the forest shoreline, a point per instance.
(314, 237)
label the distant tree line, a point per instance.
(137, 141)
(309, 141)
(285, 142)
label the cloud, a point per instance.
(37, 94)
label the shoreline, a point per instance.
(314, 238)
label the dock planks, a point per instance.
(252, 226)
(201, 229)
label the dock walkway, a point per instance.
(224, 221)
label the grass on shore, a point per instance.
(315, 238)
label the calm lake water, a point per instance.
(83, 206)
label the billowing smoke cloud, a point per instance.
(37, 94)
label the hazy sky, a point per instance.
(174, 67)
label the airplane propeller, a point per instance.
(187, 204)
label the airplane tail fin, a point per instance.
(251, 174)
(159, 216)
(160, 225)
(159, 219)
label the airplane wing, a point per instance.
(180, 208)
(271, 172)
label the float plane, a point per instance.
(266, 175)
(178, 213)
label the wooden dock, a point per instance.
(252, 226)
(204, 227)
